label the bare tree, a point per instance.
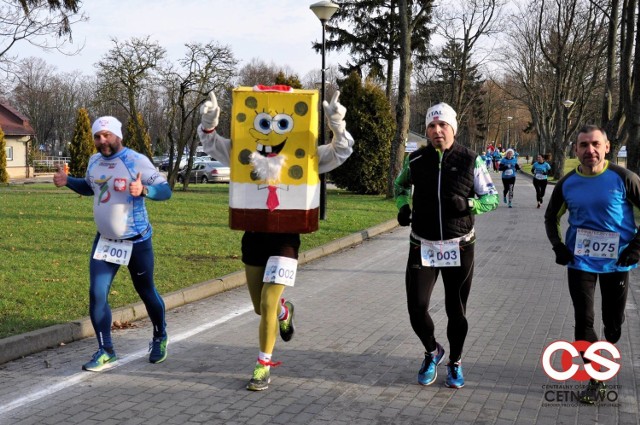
(464, 23)
(43, 23)
(554, 56)
(204, 68)
(125, 72)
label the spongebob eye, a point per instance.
(262, 123)
(282, 123)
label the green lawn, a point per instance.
(569, 164)
(47, 234)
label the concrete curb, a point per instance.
(17, 346)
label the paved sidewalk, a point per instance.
(354, 357)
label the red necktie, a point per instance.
(272, 198)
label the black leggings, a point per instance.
(508, 187)
(613, 289)
(541, 187)
(420, 281)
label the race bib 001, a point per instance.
(590, 243)
(113, 251)
(281, 270)
(440, 253)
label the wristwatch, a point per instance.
(145, 191)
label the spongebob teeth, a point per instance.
(260, 147)
(268, 149)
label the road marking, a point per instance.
(82, 376)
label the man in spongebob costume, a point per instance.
(274, 192)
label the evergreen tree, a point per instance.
(369, 31)
(292, 80)
(138, 140)
(372, 124)
(82, 146)
(4, 175)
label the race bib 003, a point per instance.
(281, 270)
(591, 243)
(440, 253)
(113, 251)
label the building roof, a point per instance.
(13, 123)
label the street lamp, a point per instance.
(324, 10)
(508, 131)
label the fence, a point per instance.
(49, 164)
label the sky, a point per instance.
(277, 31)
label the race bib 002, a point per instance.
(281, 270)
(440, 253)
(113, 251)
(591, 243)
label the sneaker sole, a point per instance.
(455, 387)
(252, 388)
(429, 383)
(100, 368)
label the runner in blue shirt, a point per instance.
(602, 242)
(509, 166)
(540, 170)
(119, 179)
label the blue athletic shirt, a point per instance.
(603, 203)
(118, 214)
(540, 171)
(509, 167)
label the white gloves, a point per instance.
(210, 112)
(335, 113)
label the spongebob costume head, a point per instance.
(274, 183)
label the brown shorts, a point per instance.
(258, 247)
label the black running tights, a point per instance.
(420, 281)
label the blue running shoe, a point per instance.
(454, 375)
(101, 360)
(505, 199)
(158, 349)
(429, 372)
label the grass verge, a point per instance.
(46, 241)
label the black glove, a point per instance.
(630, 255)
(404, 215)
(459, 203)
(564, 255)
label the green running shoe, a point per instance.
(286, 326)
(261, 378)
(101, 360)
(595, 391)
(158, 349)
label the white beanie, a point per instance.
(107, 123)
(442, 112)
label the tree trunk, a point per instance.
(402, 107)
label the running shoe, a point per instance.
(454, 375)
(261, 378)
(429, 370)
(286, 326)
(594, 391)
(101, 360)
(510, 205)
(505, 199)
(538, 205)
(158, 349)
